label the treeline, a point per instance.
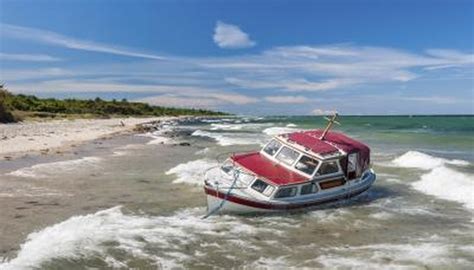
(11, 104)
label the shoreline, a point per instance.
(57, 136)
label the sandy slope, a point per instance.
(38, 136)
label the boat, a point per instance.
(293, 171)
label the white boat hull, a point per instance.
(221, 202)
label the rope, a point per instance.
(213, 211)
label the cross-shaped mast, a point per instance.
(330, 123)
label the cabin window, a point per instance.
(309, 189)
(272, 147)
(307, 164)
(263, 187)
(328, 168)
(286, 192)
(259, 185)
(287, 155)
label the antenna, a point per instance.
(330, 123)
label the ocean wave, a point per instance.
(440, 181)
(192, 172)
(50, 169)
(160, 241)
(245, 126)
(448, 184)
(272, 131)
(419, 160)
(227, 139)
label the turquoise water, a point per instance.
(133, 203)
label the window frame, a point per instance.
(315, 169)
(339, 169)
(277, 151)
(294, 162)
(286, 187)
(263, 192)
(311, 193)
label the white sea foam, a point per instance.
(32, 191)
(391, 256)
(162, 241)
(203, 151)
(415, 159)
(448, 184)
(382, 215)
(157, 136)
(50, 169)
(192, 172)
(245, 126)
(440, 181)
(272, 131)
(226, 139)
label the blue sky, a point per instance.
(249, 57)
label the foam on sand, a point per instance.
(192, 172)
(440, 181)
(45, 170)
(162, 241)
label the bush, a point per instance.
(97, 106)
(5, 115)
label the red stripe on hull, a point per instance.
(272, 206)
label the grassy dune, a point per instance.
(18, 107)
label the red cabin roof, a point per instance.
(279, 175)
(331, 143)
(263, 167)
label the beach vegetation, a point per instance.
(27, 106)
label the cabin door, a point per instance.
(352, 165)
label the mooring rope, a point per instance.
(213, 211)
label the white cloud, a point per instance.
(231, 36)
(322, 112)
(287, 99)
(28, 57)
(275, 76)
(441, 100)
(52, 38)
(199, 100)
(320, 68)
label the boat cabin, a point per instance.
(302, 163)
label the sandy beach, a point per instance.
(42, 137)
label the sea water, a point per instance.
(137, 202)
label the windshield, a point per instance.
(287, 155)
(272, 147)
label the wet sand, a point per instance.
(48, 136)
(37, 202)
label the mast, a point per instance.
(330, 123)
